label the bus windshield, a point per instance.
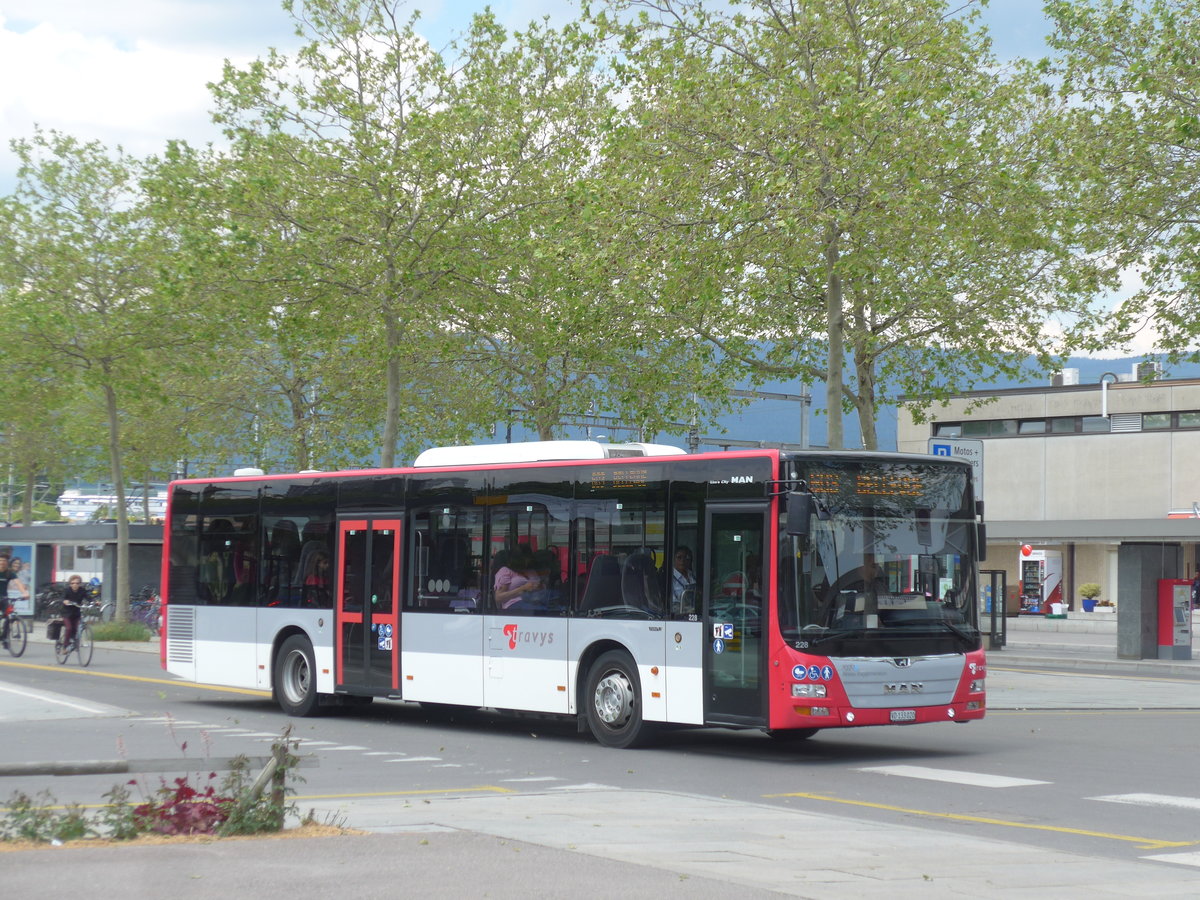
(886, 567)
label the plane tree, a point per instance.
(90, 293)
(853, 192)
(1131, 73)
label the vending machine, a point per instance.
(1041, 581)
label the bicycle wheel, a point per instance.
(17, 636)
(60, 650)
(83, 644)
(106, 612)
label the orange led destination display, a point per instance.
(620, 478)
(867, 484)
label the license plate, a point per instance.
(904, 715)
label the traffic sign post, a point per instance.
(958, 448)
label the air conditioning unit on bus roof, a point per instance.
(536, 451)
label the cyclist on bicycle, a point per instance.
(6, 575)
(73, 599)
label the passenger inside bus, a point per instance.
(515, 577)
(544, 595)
(318, 583)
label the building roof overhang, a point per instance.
(1106, 531)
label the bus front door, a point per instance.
(367, 651)
(733, 614)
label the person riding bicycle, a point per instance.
(6, 575)
(74, 598)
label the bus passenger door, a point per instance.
(732, 584)
(367, 651)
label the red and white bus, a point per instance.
(827, 589)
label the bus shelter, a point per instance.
(42, 554)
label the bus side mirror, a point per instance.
(800, 509)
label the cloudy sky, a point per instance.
(133, 72)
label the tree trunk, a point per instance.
(391, 424)
(31, 473)
(835, 325)
(864, 400)
(119, 592)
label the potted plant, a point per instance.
(1089, 592)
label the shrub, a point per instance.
(1089, 591)
(241, 804)
(120, 631)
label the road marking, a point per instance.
(483, 789)
(1152, 800)
(92, 673)
(54, 698)
(1146, 843)
(975, 779)
(528, 780)
(1179, 859)
(418, 759)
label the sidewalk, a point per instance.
(1080, 641)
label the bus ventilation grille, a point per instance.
(181, 635)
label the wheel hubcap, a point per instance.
(614, 699)
(297, 680)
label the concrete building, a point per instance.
(1105, 474)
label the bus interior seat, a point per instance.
(603, 584)
(640, 582)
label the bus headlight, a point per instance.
(976, 686)
(808, 690)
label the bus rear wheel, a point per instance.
(295, 684)
(614, 702)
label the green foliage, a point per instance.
(38, 819)
(120, 631)
(1132, 144)
(186, 805)
(116, 819)
(842, 185)
(624, 216)
(1089, 591)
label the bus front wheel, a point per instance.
(296, 677)
(614, 702)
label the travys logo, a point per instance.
(516, 636)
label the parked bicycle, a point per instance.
(18, 632)
(97, 610)
(146, 607)
(81, 646)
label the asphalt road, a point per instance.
(1077, 782)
